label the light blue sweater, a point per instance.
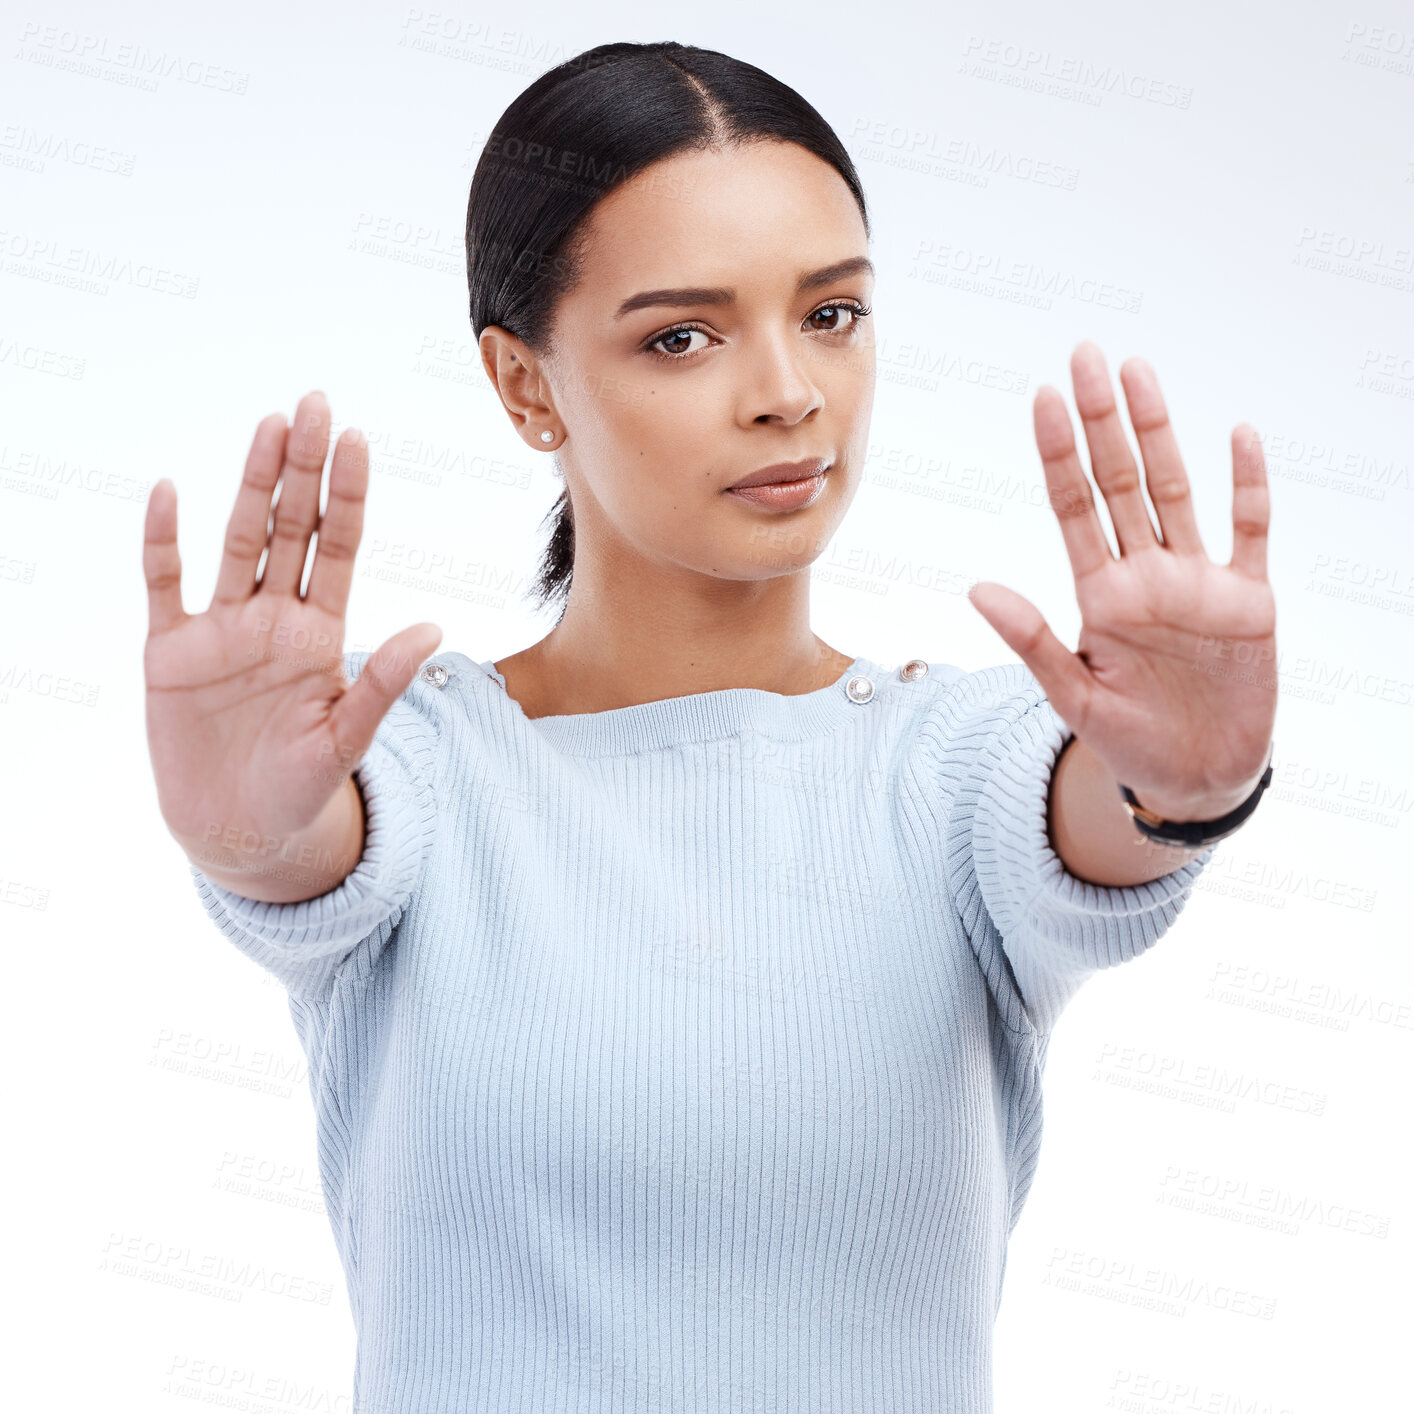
(687, 1056)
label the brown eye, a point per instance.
(834, 312)
(675, 342)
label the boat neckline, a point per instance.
(693, 716)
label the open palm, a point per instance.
(1174, 682)
(250, 722)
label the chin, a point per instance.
(782, 545)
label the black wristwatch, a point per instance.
(1195, 832)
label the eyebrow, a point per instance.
(720, 294)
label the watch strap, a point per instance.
(1195, 832)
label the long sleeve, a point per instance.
(694, 1074)
(996, 738)
(304, 944)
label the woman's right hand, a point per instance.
(251, 724)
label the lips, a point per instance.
(780, 473)
(782, 495)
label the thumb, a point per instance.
(384, 679)
(1063, 676)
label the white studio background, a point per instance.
(206, 213)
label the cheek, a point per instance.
(662, 442)
(638, 413)
(851, 387)
(642, 469)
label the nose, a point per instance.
(779, 387)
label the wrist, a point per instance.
(1210, 807)
(1197, 821)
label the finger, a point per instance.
(297, 510)
(384, 679)
(1251, 503)
(161, 564)
(1169, 489)
(1111, 460)
(1069, 488)
(248, 529)
(1063, 675)
(341, 526)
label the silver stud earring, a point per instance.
(547, 436)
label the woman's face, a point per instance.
(715, 331)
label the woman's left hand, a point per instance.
(1174, 683)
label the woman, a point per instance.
(676, 991)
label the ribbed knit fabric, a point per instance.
(687, 1056)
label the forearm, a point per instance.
(313, 862)
(1092, 832)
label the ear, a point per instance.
(518, 376)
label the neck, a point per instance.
(596, 659)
